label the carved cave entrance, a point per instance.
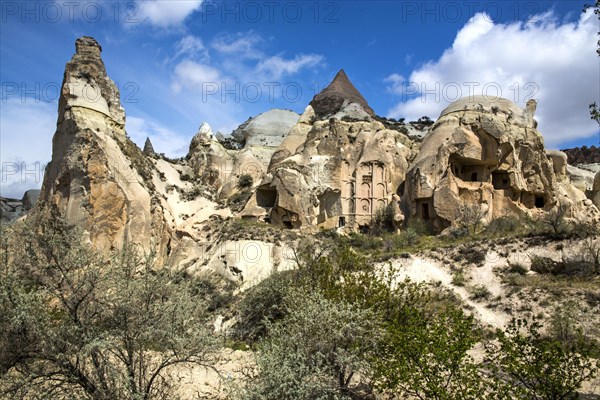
(500, 180)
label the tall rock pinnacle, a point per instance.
(86, 84)
(332, 98)
(98, 179)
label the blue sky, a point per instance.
(179, 63)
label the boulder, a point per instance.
(30, 198)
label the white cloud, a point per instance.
(553, 62)
(396, 81)
(191, 46)
(242, 44)
(273, 68)
(167, 13)
(190, 74)
(26, 130)
(163, 139)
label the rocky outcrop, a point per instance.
(260, 136)
(339, 93)
(13, 209)
(148, 148)
(98, 179)
(596, 191)
(331, 173)
(267, 129)
(487, 152)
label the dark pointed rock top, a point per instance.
(331, 99)
(148, 148)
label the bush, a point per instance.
(479, 292)
(427, 358)
(545, 265)
(315, 352)
(78, 324)
(517, 269)
(245, 181)
(458, 279)
(503, 225)
(382, 221)
(538, 367)
(263, 304)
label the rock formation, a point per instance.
(259, 138)
(596, 191)
(487, 151)
(335, 165)
(148, 148)
(98, 179)
(332, 172)
(336, 95)
(13, 209)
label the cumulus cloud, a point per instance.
(25, 145)
(163, 13)
(545, 59)
(273, 68)
(190, 74)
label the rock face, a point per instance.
(267, 129)
(596, 191)
(260, 136)
(98, 179)
(339, 93)
(487, 151)
(332, 172)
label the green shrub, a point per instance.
(537, 367)
(315, 352)
(517, 269)
(504, 225)
(261, 305)
(245, 181)
(458, 279)
(479, 292)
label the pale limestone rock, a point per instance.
(98, 179)
(267, 129)
(580, 178)
(596, 191)
(340, 173)
(487, 151)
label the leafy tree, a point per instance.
(318, 351)
(537, 367)
(79, 324)
(594, 110)
(261, 305)
(471, 217)
(427, 358)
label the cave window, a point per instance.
(540, 201)
(342, 222)
(500, 180)
(473, 176)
